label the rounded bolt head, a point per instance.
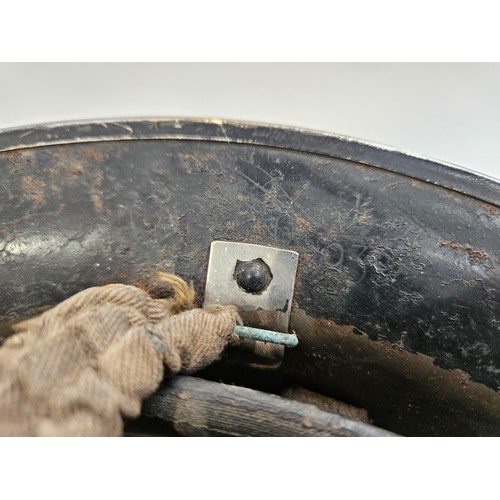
(253, 276)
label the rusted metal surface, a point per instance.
(412, 264)
(403, 391)
(475, 255)
(417, 168)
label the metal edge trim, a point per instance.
(442, 174)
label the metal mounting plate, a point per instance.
(275, 300)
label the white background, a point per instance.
(447, 111)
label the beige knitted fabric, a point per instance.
(82, 366)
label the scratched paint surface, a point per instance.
(406, 262)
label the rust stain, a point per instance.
(61, 170)
(74, 168)
(65, 172)
(97, 179)
(474, 254)
(303, 224)
(94, 153)
(343, 358)
(363, 217)
(271, 196)
(97, 202)
(492, 209)
(13, 156)
(417, 184)
(33, 190)
(95, 194)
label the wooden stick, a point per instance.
(197, 407)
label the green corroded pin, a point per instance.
(286, 339)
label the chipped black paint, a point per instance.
(406, 261)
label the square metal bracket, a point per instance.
(232, 265)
